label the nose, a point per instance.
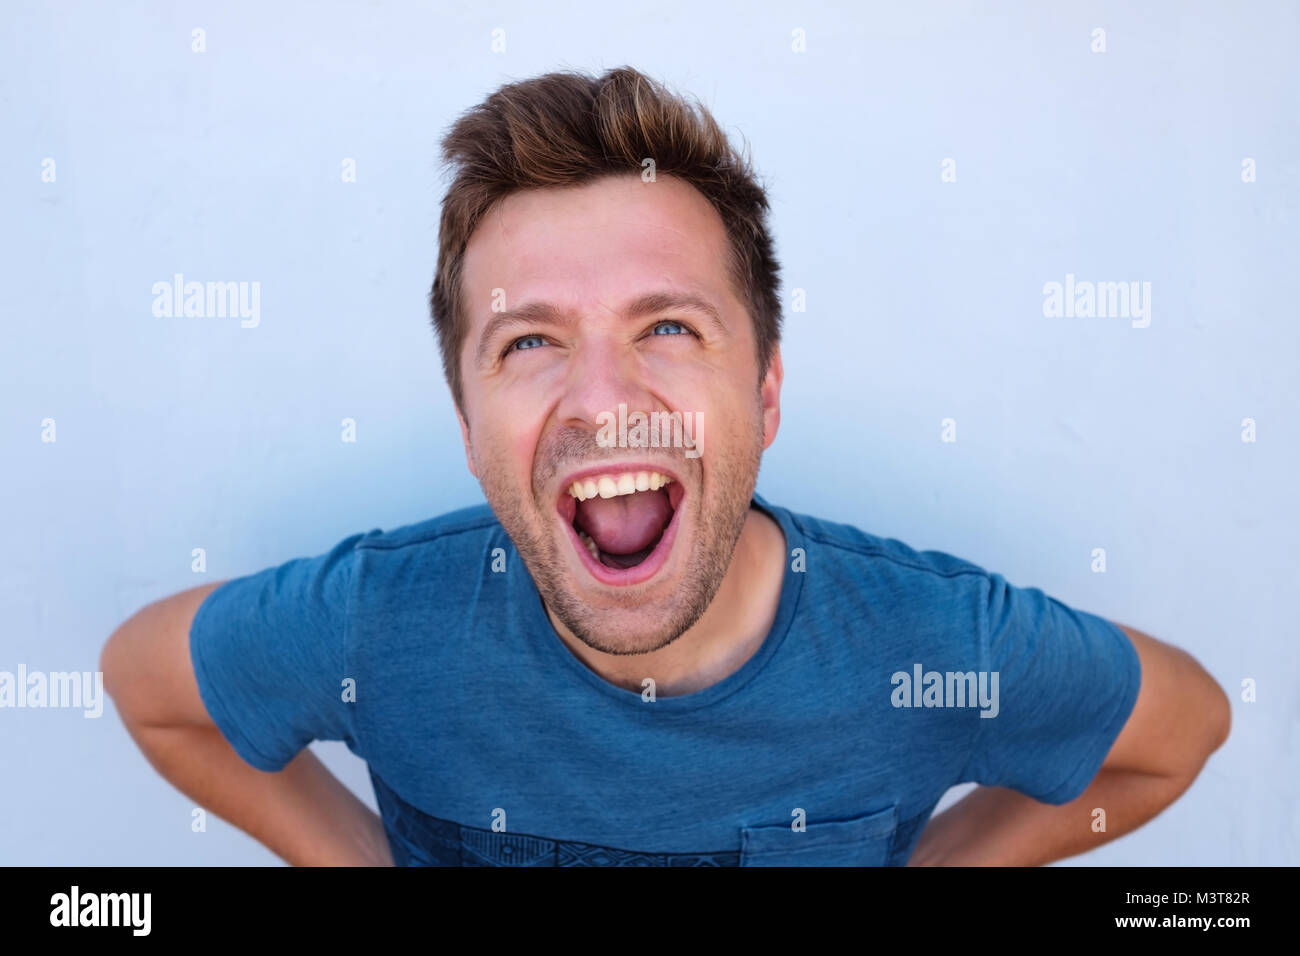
(604, 372)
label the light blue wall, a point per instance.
(924, 302)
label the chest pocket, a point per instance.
(861, 841)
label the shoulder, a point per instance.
(437, 563)
(886, 594)
(852, 551)
(456, 529)
(440, 548)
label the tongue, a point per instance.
(624, 524)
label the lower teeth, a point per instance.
(615, 561)
(591, 545)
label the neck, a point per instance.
(727, 634)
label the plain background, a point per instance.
(924, 302)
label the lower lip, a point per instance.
(625, 577)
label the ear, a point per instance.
(464, 437)
(770, 392)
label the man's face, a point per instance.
(563, 329)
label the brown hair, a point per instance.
(568, 128)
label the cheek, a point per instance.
(685, 386)
(504, 439)
(723, 397)
(517, 431)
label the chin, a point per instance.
(623, 633)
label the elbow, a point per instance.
(115, 658)
(1215, 725)
(1221, 711)
(1205, 731)
(109, 662)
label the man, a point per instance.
(630, 657)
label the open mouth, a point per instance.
(622, 522)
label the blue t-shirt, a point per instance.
(889, 675)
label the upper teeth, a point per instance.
(608, 486)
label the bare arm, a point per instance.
(1180, 718)
(302, 813)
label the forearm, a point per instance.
(301, 813)
(994, 826)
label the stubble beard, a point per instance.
(720, 517)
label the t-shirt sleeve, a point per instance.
(270, 656)
(1067, 681)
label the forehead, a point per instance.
(596, 245)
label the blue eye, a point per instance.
(522, 344)
(659, 329)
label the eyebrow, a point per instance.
(537, 313)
